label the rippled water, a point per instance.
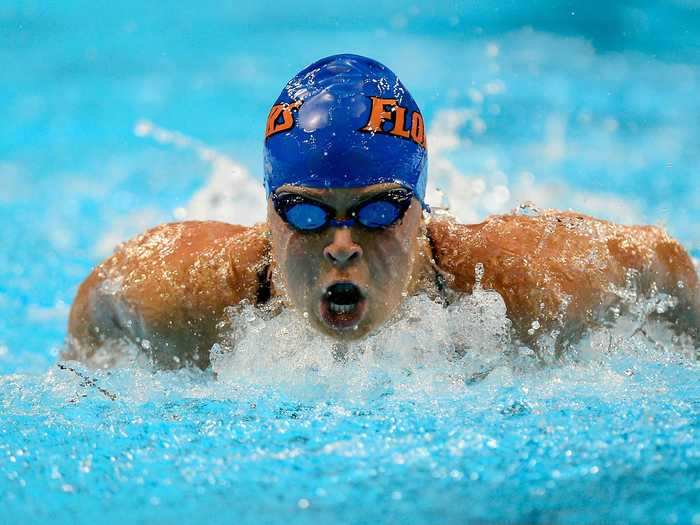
(398, 432)
(436, 416)
(117, 121)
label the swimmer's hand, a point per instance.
(563, 272)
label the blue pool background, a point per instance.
(591, 106)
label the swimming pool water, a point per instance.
(610, 442)
(120, 118)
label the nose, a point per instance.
(342, 250)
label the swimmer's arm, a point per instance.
(166, 291)
(565, 271)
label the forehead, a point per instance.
(339, 197)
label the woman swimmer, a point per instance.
(346, 240)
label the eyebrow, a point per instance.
(359, 199)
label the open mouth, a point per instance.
(343, 306)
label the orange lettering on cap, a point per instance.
(418, 129)
(399, 124)
(388, 110)
(379, 115)
(285, 111)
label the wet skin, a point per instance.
(166, 290)
(386, 264)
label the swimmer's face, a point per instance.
(349, 280)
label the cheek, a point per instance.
(298, 258)
(389, 252)
(390, 256)
(305, 247)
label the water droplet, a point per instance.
(533, 327)
(478, 274)
(528, 209)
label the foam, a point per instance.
(426, 352)
(427, 349)
(426, 346)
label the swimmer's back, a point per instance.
(165, 291)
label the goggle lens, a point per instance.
(378, 214)
(306, 216)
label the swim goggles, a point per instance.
(309, 215)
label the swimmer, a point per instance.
(349, 236)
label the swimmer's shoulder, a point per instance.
(190, 256)
(458, 247)
(565, 242)
(173, 276)
(563, 263)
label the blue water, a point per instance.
(592, 107)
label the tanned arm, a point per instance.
(565, 271)
(165, 291)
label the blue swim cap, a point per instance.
(343, 122)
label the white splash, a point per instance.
(230, 193)
(427, 353)
(426, 347)
(472, 195)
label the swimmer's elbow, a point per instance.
(92, 320)
(678, 277)
(676, 261)
(81, 340)
(80, 326)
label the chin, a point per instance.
(353, 333)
